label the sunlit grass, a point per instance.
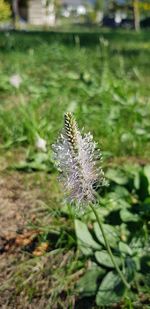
(106, 86)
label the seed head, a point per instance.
(78, 160)
(71, 130)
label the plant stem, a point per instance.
(109, 249)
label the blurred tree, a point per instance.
(5, 11)
(15, 9)
(136, 14)
(56, 5)
(130, 7)
(99, 4)
(99, 9)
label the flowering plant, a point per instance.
(76, 157)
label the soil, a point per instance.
(19, 201)
(16, 205)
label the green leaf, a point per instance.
(147, 174)
(36, 162)
(104, 259)
(127, 216)
(124, 248)
(143, 191)
(130, 268)
(145, 264)
(86, 242)
(122, 192)
(101, 211)
(137, 181)
(30, 166)
(72, 75)
(145, 207)
(88, 284)
(110, 291)
(117, 176)
(110, 234)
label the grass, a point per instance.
(110, 96)
(103, 78)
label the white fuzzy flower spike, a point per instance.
(76, 157)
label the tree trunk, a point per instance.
(15, 8)
(136, 14)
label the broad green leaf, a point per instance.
(102, 212)
(88, 284)
(122, 192)
(110, 291)
(127, 216)
(137, 181)
(86, 242)
(110, 234)
(115, 201)
(104, 259)
(117, 176)
(124, 248)
(130, 268)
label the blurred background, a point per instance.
(30, 14)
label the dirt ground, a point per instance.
(23, 197)
(19, 201)
(16, 205)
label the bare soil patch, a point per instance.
(20, 197)
(16, 205)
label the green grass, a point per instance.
(106, 88)
(103, 78)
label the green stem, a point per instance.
(109, 249)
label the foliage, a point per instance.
(106, 86)
(5, 11)
(114, 104)
(77, 242)
(126, 208)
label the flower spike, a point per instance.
(76, 156)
